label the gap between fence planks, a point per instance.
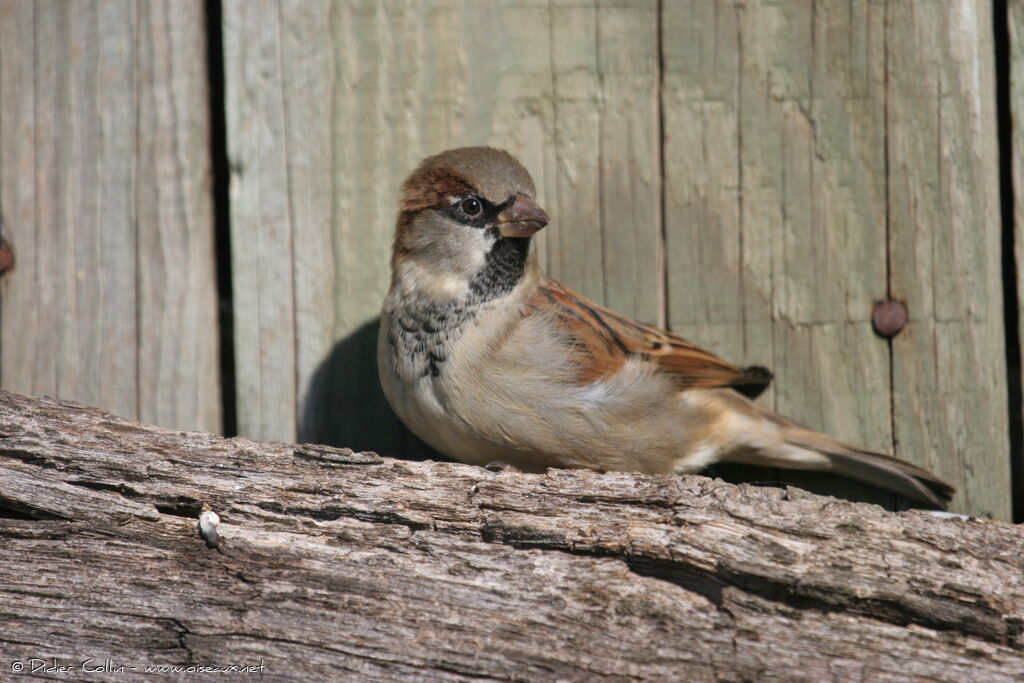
(353, 566)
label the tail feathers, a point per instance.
(876, 469)
(759, 436)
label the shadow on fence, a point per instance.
(345, 405)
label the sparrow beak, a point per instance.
(522, 219)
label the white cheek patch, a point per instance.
(457, 253)
(478, 243)
(448, 286)
(420, 280)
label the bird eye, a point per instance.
(471, 207)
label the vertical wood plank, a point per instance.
(261, 222)
(574, 244)
(833, 372)
(629, 158)
(313, 144)
(706, 292)
(335, 103)
(25, 350)
(85, 317)
(179, 381)
(949, 365)
(775, 204)
(78, 320)
(606, 195)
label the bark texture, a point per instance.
(351, 566)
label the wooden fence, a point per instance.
(756, 175)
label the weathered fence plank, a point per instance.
(949, 367)
(105, 199)
(262, 237)
(331, 105)
(179, 365)
(789, 159)
(26, 355)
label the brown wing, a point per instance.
(605, 340)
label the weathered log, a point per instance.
(349, 565)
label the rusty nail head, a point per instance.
(889, 317)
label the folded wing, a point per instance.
(605, 340)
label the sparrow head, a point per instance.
(464, 223)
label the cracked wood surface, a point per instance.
(349, 565)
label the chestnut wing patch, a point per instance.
(604, 340)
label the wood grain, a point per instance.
(179, 367)
(350, 566)
(261, 222)
(949, 365)
(788, 166)
(104, 194)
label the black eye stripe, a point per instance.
(487, 216)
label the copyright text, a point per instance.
(54, 665)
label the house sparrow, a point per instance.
(487, 359)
